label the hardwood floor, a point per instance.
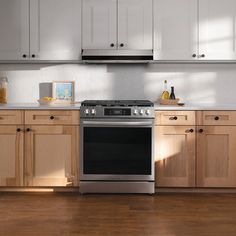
(71, 214)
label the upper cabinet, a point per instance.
(117, 24)
(55, 29)
(194, 29)
(99, 24)
(40, 29)
(14, 29)
(176, 29)
(217, 29)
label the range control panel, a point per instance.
(116, 112)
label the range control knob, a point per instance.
(141, 112)
(86, 111)
(135, 112)
(148, 112)
(93, 111)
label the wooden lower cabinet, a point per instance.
(11, 155)
(51, 155)
(175, 156)
(216, 156)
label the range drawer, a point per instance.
(175, 118)
(216, 117)
(11, 117)
(52, 117)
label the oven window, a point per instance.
(117, 151)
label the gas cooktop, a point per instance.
(117, 103)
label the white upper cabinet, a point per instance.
(40, 29)
(55, 29)
(99, 24)
(117, 24)
(176, 29)
(14, 29)
(135, 24)
(217, 29)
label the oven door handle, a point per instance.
(119, 123)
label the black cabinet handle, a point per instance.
(200, 130)
(33, 55)
(24, 56)
(112, 45)
(52, 117)
(173, 118)
(189, 131)
(18, 130)
(203, 55)
(28, 130)
(194, 55)
(122, 45)
(217, 118)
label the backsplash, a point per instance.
(194, 83)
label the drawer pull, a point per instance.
(28, 130)
(52, 117)
(189, 131)
(200, 130)
(217, 118)
(18, 130)
(173, 118)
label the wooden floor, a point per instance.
(71, 214)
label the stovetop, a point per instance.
(117, 103)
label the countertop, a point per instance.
(186, 107)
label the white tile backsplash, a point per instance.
(194, 83)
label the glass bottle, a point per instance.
(172, 94)
(165, 93)
(3, 90)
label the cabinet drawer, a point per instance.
(9, 117)
(216, 118)
(52, 117)
(175, 118)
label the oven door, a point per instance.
(117, 149)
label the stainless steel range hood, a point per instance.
(116, 56)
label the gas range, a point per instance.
(117, 109)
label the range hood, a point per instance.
(116, 56)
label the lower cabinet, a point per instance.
(175, 156)
(216, 156)
(51, 155)
(11, 155)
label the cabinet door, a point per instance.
(216, 151)
(175, 156)
(51, 155)
(11, 155)
(14, 29)
(217, 29)
(55, 29)
(99, 24)
(175, 29)
(135, 24)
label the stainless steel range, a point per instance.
(116, 154)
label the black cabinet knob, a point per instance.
(194, 55)
(203, 55)
(173, 118)
(52, 117)
(18, 130)
(112, 45)
(200, 130)
(122, 45)
(28, 129)
(189, 131)
(217, 118)
(24, 56)
(33, 55)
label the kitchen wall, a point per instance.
(202, 83)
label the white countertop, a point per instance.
(186, 107)
(36, 106)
